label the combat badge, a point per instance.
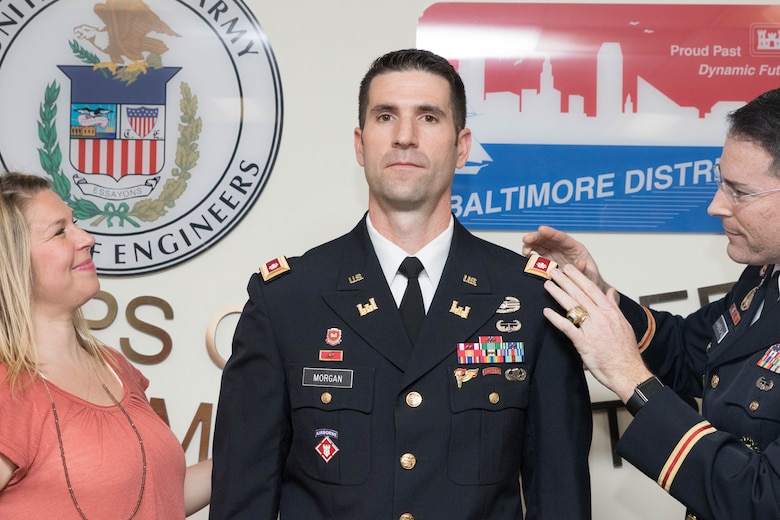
(274, 268)
(539, 266)
(510, 304)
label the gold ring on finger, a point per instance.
(576, 315)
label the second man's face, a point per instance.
(751, 225)
(408, 146)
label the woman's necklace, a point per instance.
(62, 449)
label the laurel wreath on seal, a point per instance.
(147, 210)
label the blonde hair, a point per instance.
(17, 336)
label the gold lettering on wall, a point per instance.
(202, 418)
(211, 333)
(148, 328)
(111, 311)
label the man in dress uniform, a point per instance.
(724, 463)
(403, 370)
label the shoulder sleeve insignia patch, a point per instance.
(274, 268)
(539, 266)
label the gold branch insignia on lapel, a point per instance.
(457, 310)
(365, 308)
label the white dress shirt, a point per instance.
(433, 257)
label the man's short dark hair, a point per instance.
(422, 60)
(759, 123)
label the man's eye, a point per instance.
(429, 118)
(384, 117)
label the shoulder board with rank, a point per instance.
(274, 268)
(539, 266)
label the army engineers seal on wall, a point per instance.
(158, 123)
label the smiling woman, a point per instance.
(72, 407)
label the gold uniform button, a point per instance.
(413, 399)
(326, 397)
(753, 406)
(410, 516)
(408, 461)
(714, 381)
(493, 397)
(690, 516)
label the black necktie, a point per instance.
(772, 291)
(412, 307)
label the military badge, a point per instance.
(508, 326)
(510, 304)
(458, 310)
(469, 280)
(748, 299)
(465, 374)
(365, 308)
(333, 336)
(539, 266)
(274, 268)
(326, 447)
(515, 374)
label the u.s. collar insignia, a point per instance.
(539, 266)
(274, 268)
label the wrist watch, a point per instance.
(642, 393)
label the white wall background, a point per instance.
(316, 192)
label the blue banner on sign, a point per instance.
(610, 125)
(589, 188)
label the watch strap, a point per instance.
(642, 394)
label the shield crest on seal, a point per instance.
(117, 131)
